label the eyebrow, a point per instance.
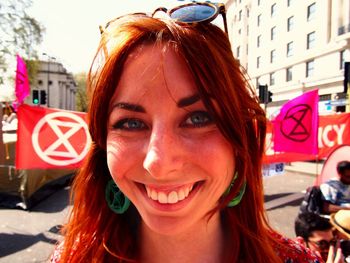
(188, 101)
(184, 102)
(130, 107)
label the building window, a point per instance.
(258, 62)
(258, 41)
(311, 10)
(341, 59)
(310, 68)
(289, 2)
(259, 20)
(289, 74)
(290, 23)
(272, 78)
(290, 49)
(257, 82)
(273, 33)
(273, 10)
(310, 40)
(240, 15)
(272, 56)
(238, 51)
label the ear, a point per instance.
(300, 240)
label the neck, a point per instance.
(200, 243)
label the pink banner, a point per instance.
(296, 126)
(22, 81)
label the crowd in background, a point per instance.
(323, 224)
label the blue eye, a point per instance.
(130, 124)
(198, 119)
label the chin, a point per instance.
(167, 226)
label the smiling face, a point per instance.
(164, 150)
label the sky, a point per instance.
(72, 32)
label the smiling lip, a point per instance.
(170, 195)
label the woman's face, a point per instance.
(164, 150)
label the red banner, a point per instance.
(50, 138)
(333, 131)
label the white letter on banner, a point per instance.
(326, 141)
(339, 131)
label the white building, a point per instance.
(59, 85)
(293, 46)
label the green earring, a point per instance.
(115, 199)
(237, 199)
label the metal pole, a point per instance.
(2, 146)
(48, 82)
(48, 77)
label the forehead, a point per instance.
(151, 67)
(322, 235)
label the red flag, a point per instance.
(22, 81)
(296, 126)
(50, 138)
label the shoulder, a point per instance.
(56, 255)
(330, 185)
(291, 251)
(331, 182)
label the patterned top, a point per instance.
(288, 250)
(291, 251)
(335, 192)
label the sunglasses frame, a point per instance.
(219, 9)
(323, 244)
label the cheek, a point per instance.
(216, 154)
(120, 157)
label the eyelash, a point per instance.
(121, 125)
(201, 114)
(205, 119)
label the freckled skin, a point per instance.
(158, 143)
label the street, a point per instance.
(29, 236)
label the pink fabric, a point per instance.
(296, 126)
(22, 81)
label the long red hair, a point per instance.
(94, 232)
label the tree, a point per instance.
(81, 96)
(19, 33)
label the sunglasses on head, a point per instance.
(189, 13)
(324, 244)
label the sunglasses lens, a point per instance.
(193, 13)
(323, 244)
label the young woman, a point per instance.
(174, 171)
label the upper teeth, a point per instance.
(172, 197)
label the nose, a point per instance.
(163, 153)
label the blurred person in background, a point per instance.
(336, 192)
(316, 233)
